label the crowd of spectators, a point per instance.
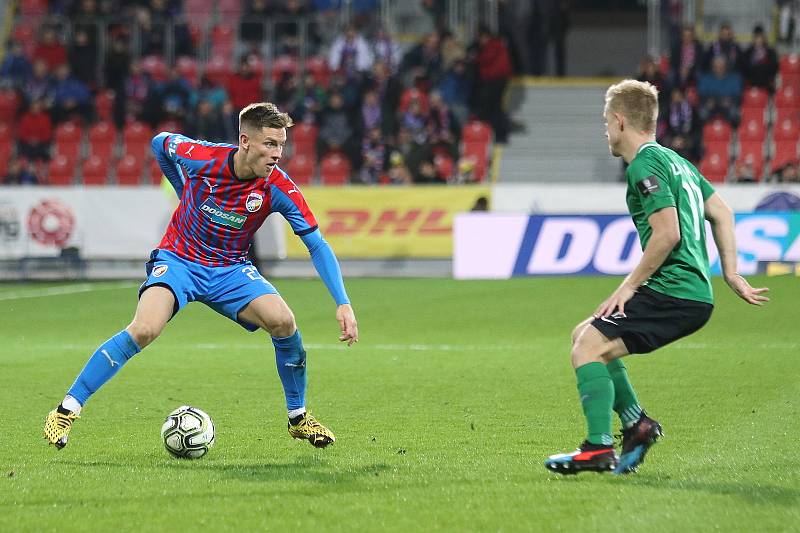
(389, 110)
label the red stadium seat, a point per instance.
(334, 169)
(782, 113)
(476, 132)
(5, 155)
(129, 170)
(67, 149)
(755, 97)
(95, 171)
(6, 134)
(218, 70)
(789, 64)
(752, 152)
(444, 166)
(753, 113)
(477, 152)
(9, 106)
(752, 130)
(787, 96)
(26, 36)
(304, 138)
(187, 68)
(717, 130)
(156, 176)
(790, 80)
(102, 132)
(104, 104)
(155, 66)
(785, 152)
(714, 167)
(317, 66)
(68, 132)
(787, 129)
(61, 170)
(33, 8)
(229, 6)
(222, 40)
(137, 136)
(301, 169)
(284, 64)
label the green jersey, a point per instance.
(658, 178)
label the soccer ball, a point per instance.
(188, 432)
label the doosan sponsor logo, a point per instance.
(219, 216)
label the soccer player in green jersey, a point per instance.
(667, 296)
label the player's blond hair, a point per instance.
(635, 100)
(263, 115)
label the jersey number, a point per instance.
(253, 274)
(694, 194)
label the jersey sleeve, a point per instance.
(174, 151)
(705, 187)
(651, 185)
(289, 202)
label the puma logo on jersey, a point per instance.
(189, 151)
(290, 191)
(210, 187)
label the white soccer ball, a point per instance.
(188, 432)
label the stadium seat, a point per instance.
(783, 113)
(102, 132)
(304, 138)
(317, 66)
(60, 170)
(787, 96)
(752, 130)
(477, 151)
(755, 97)
(155, 66)
(301, 169)
(155, 176)
(68, 132)
(785, 152)
(33, 8)
(187, 68)
(790, 80)
(753, 113)
(714, 167)
(5, 155)
(789, 64)
(229, 6)
(136, 137)
(218, 70)
(95, 171)
(26, 36)
(223, 39)
(334, 169)
(717, 131)
(6, 134)
(104, 104)
(476, 132)
(786, 129)
(444, 166)
(257, 65)
(284, 64)
(129, 170)
(752, 152)
(9, 106)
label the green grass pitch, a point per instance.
(443, 413)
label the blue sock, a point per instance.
(290, 357)
(103, 364)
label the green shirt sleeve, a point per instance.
(651, 186)
(705, 187)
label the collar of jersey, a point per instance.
(646, 145)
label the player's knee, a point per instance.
(143, 333)
(583, 353)
(283, 325)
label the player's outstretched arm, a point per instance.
(722, 227)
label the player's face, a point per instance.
(613, 132)
(264, 149)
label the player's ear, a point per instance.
(621, 121)
(244, 141)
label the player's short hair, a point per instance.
(635, 100)
(263, 115)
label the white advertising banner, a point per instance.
(102, 223)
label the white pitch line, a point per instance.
(66, 289)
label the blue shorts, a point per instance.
(226, 290)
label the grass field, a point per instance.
(443, 413)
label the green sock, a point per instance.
(625, 403)
(597, 396)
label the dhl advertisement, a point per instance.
(387, 222)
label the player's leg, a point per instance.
(155, 308)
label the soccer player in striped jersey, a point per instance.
(226, 192)
(667, 296)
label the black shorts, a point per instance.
(653, 320)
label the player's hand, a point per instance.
(743, 290)
(347, 324)
(616, 302)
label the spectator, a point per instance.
(465, 171)
(385, 49)
(285, 89)
(789, 173)
(211, 92)
(41, 86)
(35, 133)
(176, 95)
(455, 90)
(725, 46)
(373, 152)
(743, 173)
(50, 50)
(442, 126)
(15, 68)
(494, 71)
(720, 92)
(682, 131)
(760, 62)
(83, 58)
(206, 123)
(292, 15)
(410, 152)
(350, 53)
(230, 122)
(244, 86)
(388, 88)
(427, 173)
(71, 98)
(685, 58)
(115, 71)
(19, 173)
(308, 100)
(424, 60)
(481, 204)
(138, 89)
(649, 72)
(371, 112)
(335, 130)
(398, 173)
(415, 121)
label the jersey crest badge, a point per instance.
(649, 185)
(160, 270)
(254, 201)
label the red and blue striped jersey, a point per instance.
(219, 213)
